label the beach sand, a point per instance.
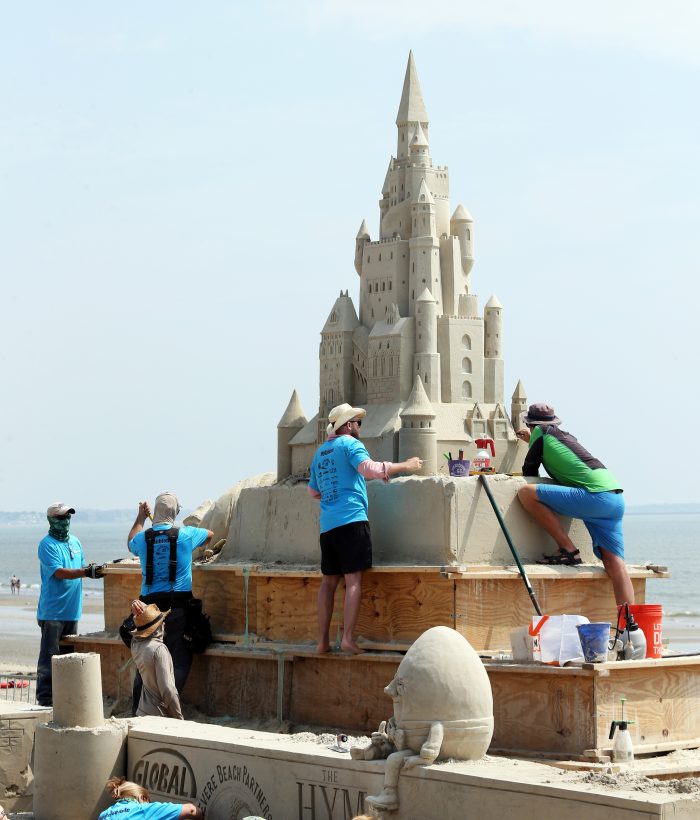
(19, 646)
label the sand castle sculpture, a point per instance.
(443, 708)
(428, 369)
(422, 361)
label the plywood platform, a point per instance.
(250, 603)
(538, 709)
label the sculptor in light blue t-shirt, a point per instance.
(334, 474)
(60, 599)
(188, 539)
(133, 810)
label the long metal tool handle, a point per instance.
(523, 574)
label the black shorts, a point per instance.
(346, 549)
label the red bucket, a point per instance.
(649, 618)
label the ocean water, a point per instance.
(671, 540)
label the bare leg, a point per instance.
(621, 581)
(544, 516)
(351, 610)
(326, 595)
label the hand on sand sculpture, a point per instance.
(523, 435)
(411, 465)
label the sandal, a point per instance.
(563, 558)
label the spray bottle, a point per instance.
(630, 643)
(622, 752)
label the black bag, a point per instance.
(197, 627)
(126, 629)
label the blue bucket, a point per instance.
(594, 641)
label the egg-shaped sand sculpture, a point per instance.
(443, 708)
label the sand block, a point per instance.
(435, 520)
(18, 722)
(237, 772)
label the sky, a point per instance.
(181, 185)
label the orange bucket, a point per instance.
(649, 618)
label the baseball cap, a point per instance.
(59, 508)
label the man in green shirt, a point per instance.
(585, 489)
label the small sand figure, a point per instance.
(443, 708)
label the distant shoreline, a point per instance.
(90, 516)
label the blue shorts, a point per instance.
(600, 512)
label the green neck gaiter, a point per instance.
(59, 527)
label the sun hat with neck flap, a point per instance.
(342, 414)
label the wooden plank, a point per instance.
(399, 608)
(224, 600)
(120, 589)
(343, 693)
(541, 713)
(245, 688)
(488, 610)
(661, 700)
(286, 609)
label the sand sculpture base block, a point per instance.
(432, 520)
(236, 773)
(18, 722)
(72, 767)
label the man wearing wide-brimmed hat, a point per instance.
(155, 664)
(585, 489)
(338, 473)
(61, 562)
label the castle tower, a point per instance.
(335, 354)
(419, 152)
(288, 426)
(424, 250)
(411, 110)
(426, 360)
(518, 405)
(360, 241)
(493, 352)
(418, 436)
(462, 226)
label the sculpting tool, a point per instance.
(461, 455)
(446, 456)
(521, 568)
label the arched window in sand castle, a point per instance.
(466, 342)
(466, 365)
(466, 390)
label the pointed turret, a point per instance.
(411, 107)
(411, 110)
(423, 194)
(518, 405)
(291, 422)
(360, 241)
(418, 436)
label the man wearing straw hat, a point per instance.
(338, 473)
(155, 664)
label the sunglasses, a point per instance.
(358, 422)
